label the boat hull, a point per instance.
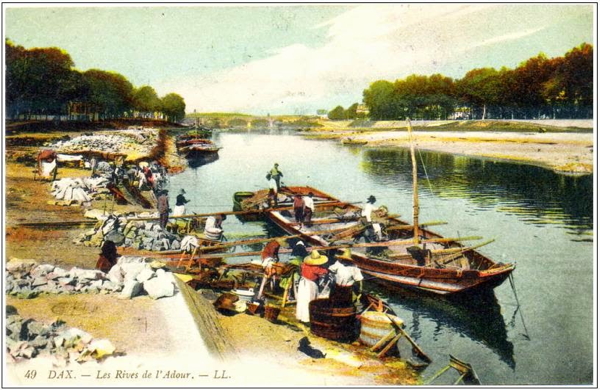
(443, 281)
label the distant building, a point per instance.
(322, 113)
(362, 109)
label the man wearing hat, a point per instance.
(180, 202)
(311, 270)
(163, 208)
(346, 274)
(366, 217)
(368, 209)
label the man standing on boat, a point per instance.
(309, 208)
(180, 204)
(276, 175)
(273, 189)
(299, 206)
(366, 217)
(163, 208)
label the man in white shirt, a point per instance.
(346, 274)
(309, 208)
(367, 217)
(369, 208)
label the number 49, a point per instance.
(30, 374)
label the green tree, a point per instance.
(111, 94)
(337, 113)
(480, 88)
(39, 80)
(350, 112)
(173, 107)
(574, 80)
(146, 101)
(379, 98)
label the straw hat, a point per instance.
(315, 258)
(346, 255)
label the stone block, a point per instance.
(41, 270)
(116, 274)
(131, 270)
(145, 274)
(132, 288)
(159, 287)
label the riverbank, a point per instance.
(166, 333)
(561, 149)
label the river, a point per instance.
(540, 220)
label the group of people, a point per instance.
(333, 276)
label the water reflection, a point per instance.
(477, 318)
(198, 161)
(536, 195)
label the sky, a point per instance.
(295, 58)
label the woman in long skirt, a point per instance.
(311, 269)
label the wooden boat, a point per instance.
(197, 147)
(409, 255)
(353, 141)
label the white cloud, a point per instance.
(367, 43)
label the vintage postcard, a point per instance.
(296, 195)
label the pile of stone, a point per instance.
(130, 277)
(112, 143)
(129, 231)
(78, 190)
(27, 338)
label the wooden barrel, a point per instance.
(375, 325)
(271, 313)
(333, 323)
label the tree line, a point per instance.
(44, 82)
(539, 88)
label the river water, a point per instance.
(540, 220)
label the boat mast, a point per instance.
(415, 185)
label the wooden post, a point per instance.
(415, 185)
(287, 290)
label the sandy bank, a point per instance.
(571, 153)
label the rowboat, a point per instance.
(390, 250)
(197, 147)
(353, 141)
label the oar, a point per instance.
(464, 249)
(416, 347)
(452, 251)
(410, 227)
(244, 242)
(338, 220)
(256, 253)
(243, 212)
